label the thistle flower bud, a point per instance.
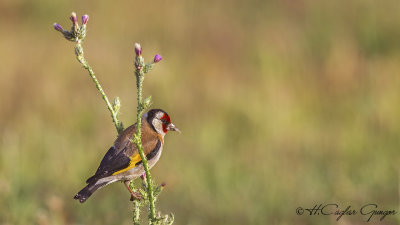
(74, 19)
(157, 58)
(58, 27)
(138, 49)
(85, 19)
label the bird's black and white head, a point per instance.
(160, 121)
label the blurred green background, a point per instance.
(282, 104)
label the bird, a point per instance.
(122, 162)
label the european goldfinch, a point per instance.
(122, 161)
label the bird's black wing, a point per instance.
(124, 155)
(113, 161)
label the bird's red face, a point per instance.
(160, 121)
(165, 122)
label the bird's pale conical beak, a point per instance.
(173, 128)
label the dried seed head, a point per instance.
(74, 19)
(138, 49)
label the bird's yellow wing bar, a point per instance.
(134, 159)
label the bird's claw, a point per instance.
(136, 196)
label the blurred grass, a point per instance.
(282, 104)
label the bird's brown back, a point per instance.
(149, 139)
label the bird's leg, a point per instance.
(134, 195)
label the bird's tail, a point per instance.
(87, 191)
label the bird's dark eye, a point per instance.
(165, 119)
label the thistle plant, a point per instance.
(149, 191)
(77, 34)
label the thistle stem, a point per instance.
(136, 212)
(136, 207)
(138, 141)
(85, 64)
